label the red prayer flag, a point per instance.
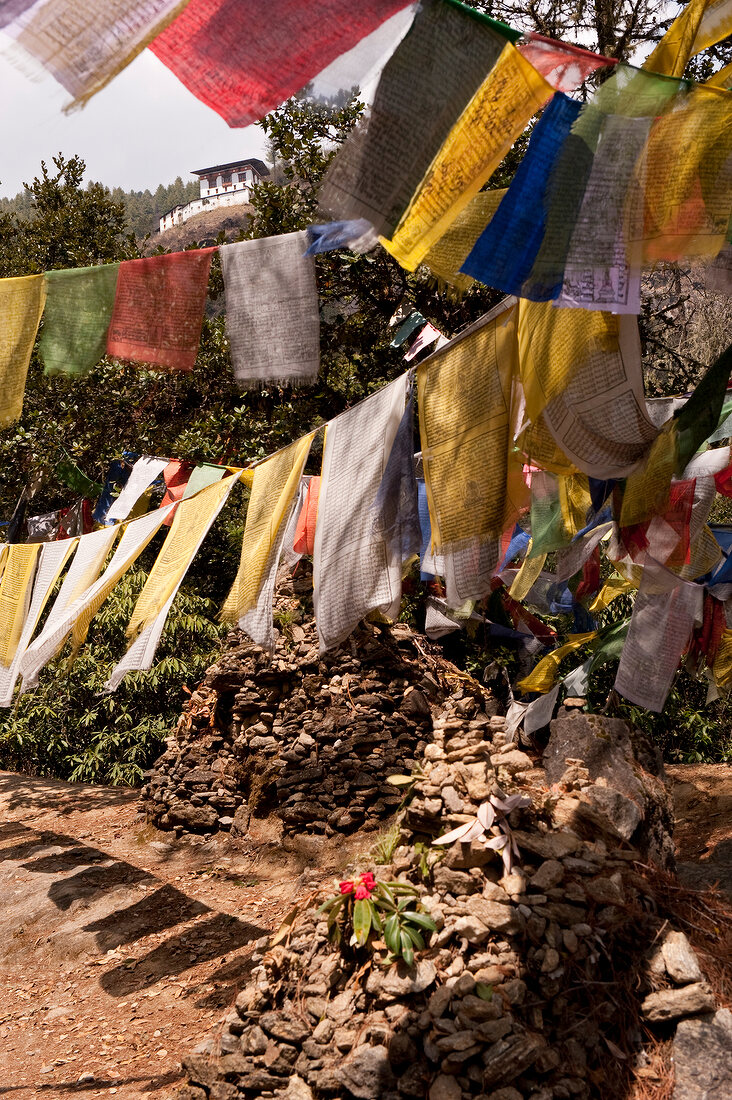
(158, 309)
(243, 58)
(175, 476)
(304, 541)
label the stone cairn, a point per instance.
(312, 736)
(544, 983)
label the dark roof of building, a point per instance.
(258, 165)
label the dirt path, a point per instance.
(119, 951)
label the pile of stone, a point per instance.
(540, 983)
(310, 736)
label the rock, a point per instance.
(673, 1004)
(86, 1079)
(703, 1058)
(505, 1060)
(401, 980)
(622, 815)
(366, 1072)
(549, 874)
(196, 818)
(284, 1026)
(497, 917)
(297, 1089)
(240, 824)
(445, 1088)
(679, 958)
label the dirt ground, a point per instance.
(121, 949)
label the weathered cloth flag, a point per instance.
(79, 304)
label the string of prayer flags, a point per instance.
(474, 483)
(698, 418)
(158, 309)
(581, 372)
(354, 573)
(21, 306)
(79, 304)
(43, 528)
(396, 507)
(447, 256)
(386, 156)
(201, 477)
(76, 520)
(84, 46)
(504, 254)
(15, 591)
(495, 117)
(192, 522)
(51, 560)
(243, 58)
(665, 611)
(272, 313)
(544, 674)
(563, 66)
(304, 537)
(275, 485)
(91, 553)
(141, 476)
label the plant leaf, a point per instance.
(407, 950)
(391, 934)
(401, 780)
(465, 832)
(361, 921)
(484, 991)
(422, 919)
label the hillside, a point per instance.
(203, 228)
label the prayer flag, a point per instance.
(15, 590)
(84, 45)
(474, 482)
(563, 66)
(542, 677)
(272, 314)
(700, 24)
(52, 558)
(243, 58)
(495, 117)
(275, 486)
(70, 475)
(664, 615)
(304, 537)
(79, 304)
(158, 309)
(447, 256)
(396, 506)
(176, 476)
(387, 155)
(21, 306)
(141, 476)
(91, 553)
(192, 522)
(115, 481)
(354, 572)
(357, 236)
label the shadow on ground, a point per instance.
(53, 794)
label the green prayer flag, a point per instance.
(699, 417)
(78, 310)
(70, 475)
(502, 28)
(609, 647)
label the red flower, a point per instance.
(368, 880)
(345, 887)
(362, 892)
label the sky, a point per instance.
(143, 129)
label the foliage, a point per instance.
(491, 827)
(371, 910)
(69, 728)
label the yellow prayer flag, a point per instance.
(15, 590)
(554, 344)
(527, 575)
(192, 519)
(704, 553)
(465, 392)
(677, 45)
(21, 306)
(541, 448)
(722, 669)
(448, 255)
(274, 487)
(496, 116)
(575, 502)
(613, 587)
(3, 557)
(647, 490)
(722, 78)
(541, 679)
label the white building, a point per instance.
(220, 185)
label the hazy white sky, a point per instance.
(143, 129)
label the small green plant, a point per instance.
(372, 909)
(385, 846)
